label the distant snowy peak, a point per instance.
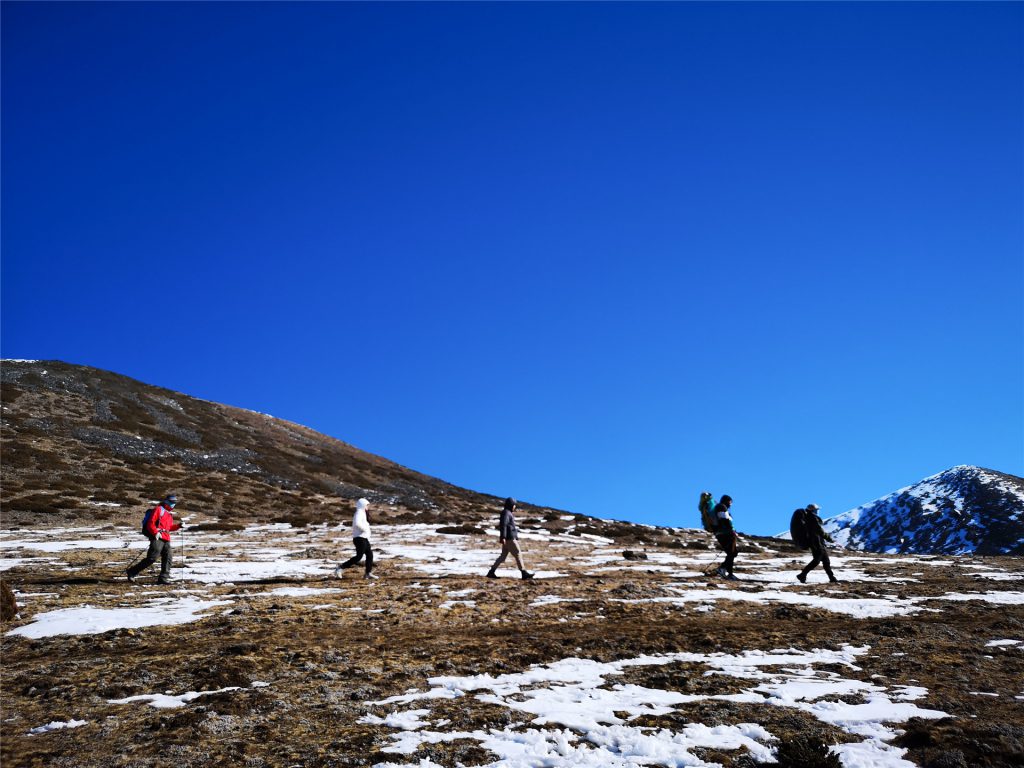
(964, 510)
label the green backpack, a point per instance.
(707, 516)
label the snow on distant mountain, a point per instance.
(964, 510)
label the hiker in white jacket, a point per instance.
(361, 538)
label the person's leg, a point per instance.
(513, 548)
(726, 542)
(729, 560)
(354, 560)
(517, 554)
(165, 561)
(151, 555)
(827, 565)
(809, 567)
(368, 551)
(500, 560)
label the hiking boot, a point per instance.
(527, 575)
(491, 574)
(802, 577)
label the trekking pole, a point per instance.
(136, 558)
(184, 555)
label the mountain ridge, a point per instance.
(73, 433)
(961, 510)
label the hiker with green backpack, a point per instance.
(808, 532)
(726, 535)
(717, 519)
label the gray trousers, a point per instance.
(511, 547)
(158, 548)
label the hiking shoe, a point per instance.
(802, 577)
(371, 576)
(527, 575)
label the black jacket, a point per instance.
(815, 530)
(723, 519)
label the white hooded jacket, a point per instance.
(360, 525)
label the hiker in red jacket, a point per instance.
(158, 530)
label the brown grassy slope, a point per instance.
(323, 666)
(72, 434)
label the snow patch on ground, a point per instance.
(89, 620)
(169, 701)
(575, 696)
(57, 726)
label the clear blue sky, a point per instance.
(596, 256)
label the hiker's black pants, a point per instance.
(820, 556)
(157, 548)
(362, 548)
(730, 546)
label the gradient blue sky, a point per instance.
(596, 256)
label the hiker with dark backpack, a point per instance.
(157, 525)
(815, 536)
(726, 535)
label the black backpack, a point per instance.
(798, 529)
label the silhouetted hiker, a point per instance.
(509, 535)
(158, 526)
(726, 536)
(817, 536)
(361, 538)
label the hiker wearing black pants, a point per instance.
(509, 535)
(817, 536)
(361, 539)
(726, 535)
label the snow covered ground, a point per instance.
(584, 715)
(580, 712)
(278, 552)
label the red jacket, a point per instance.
(161, 523)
